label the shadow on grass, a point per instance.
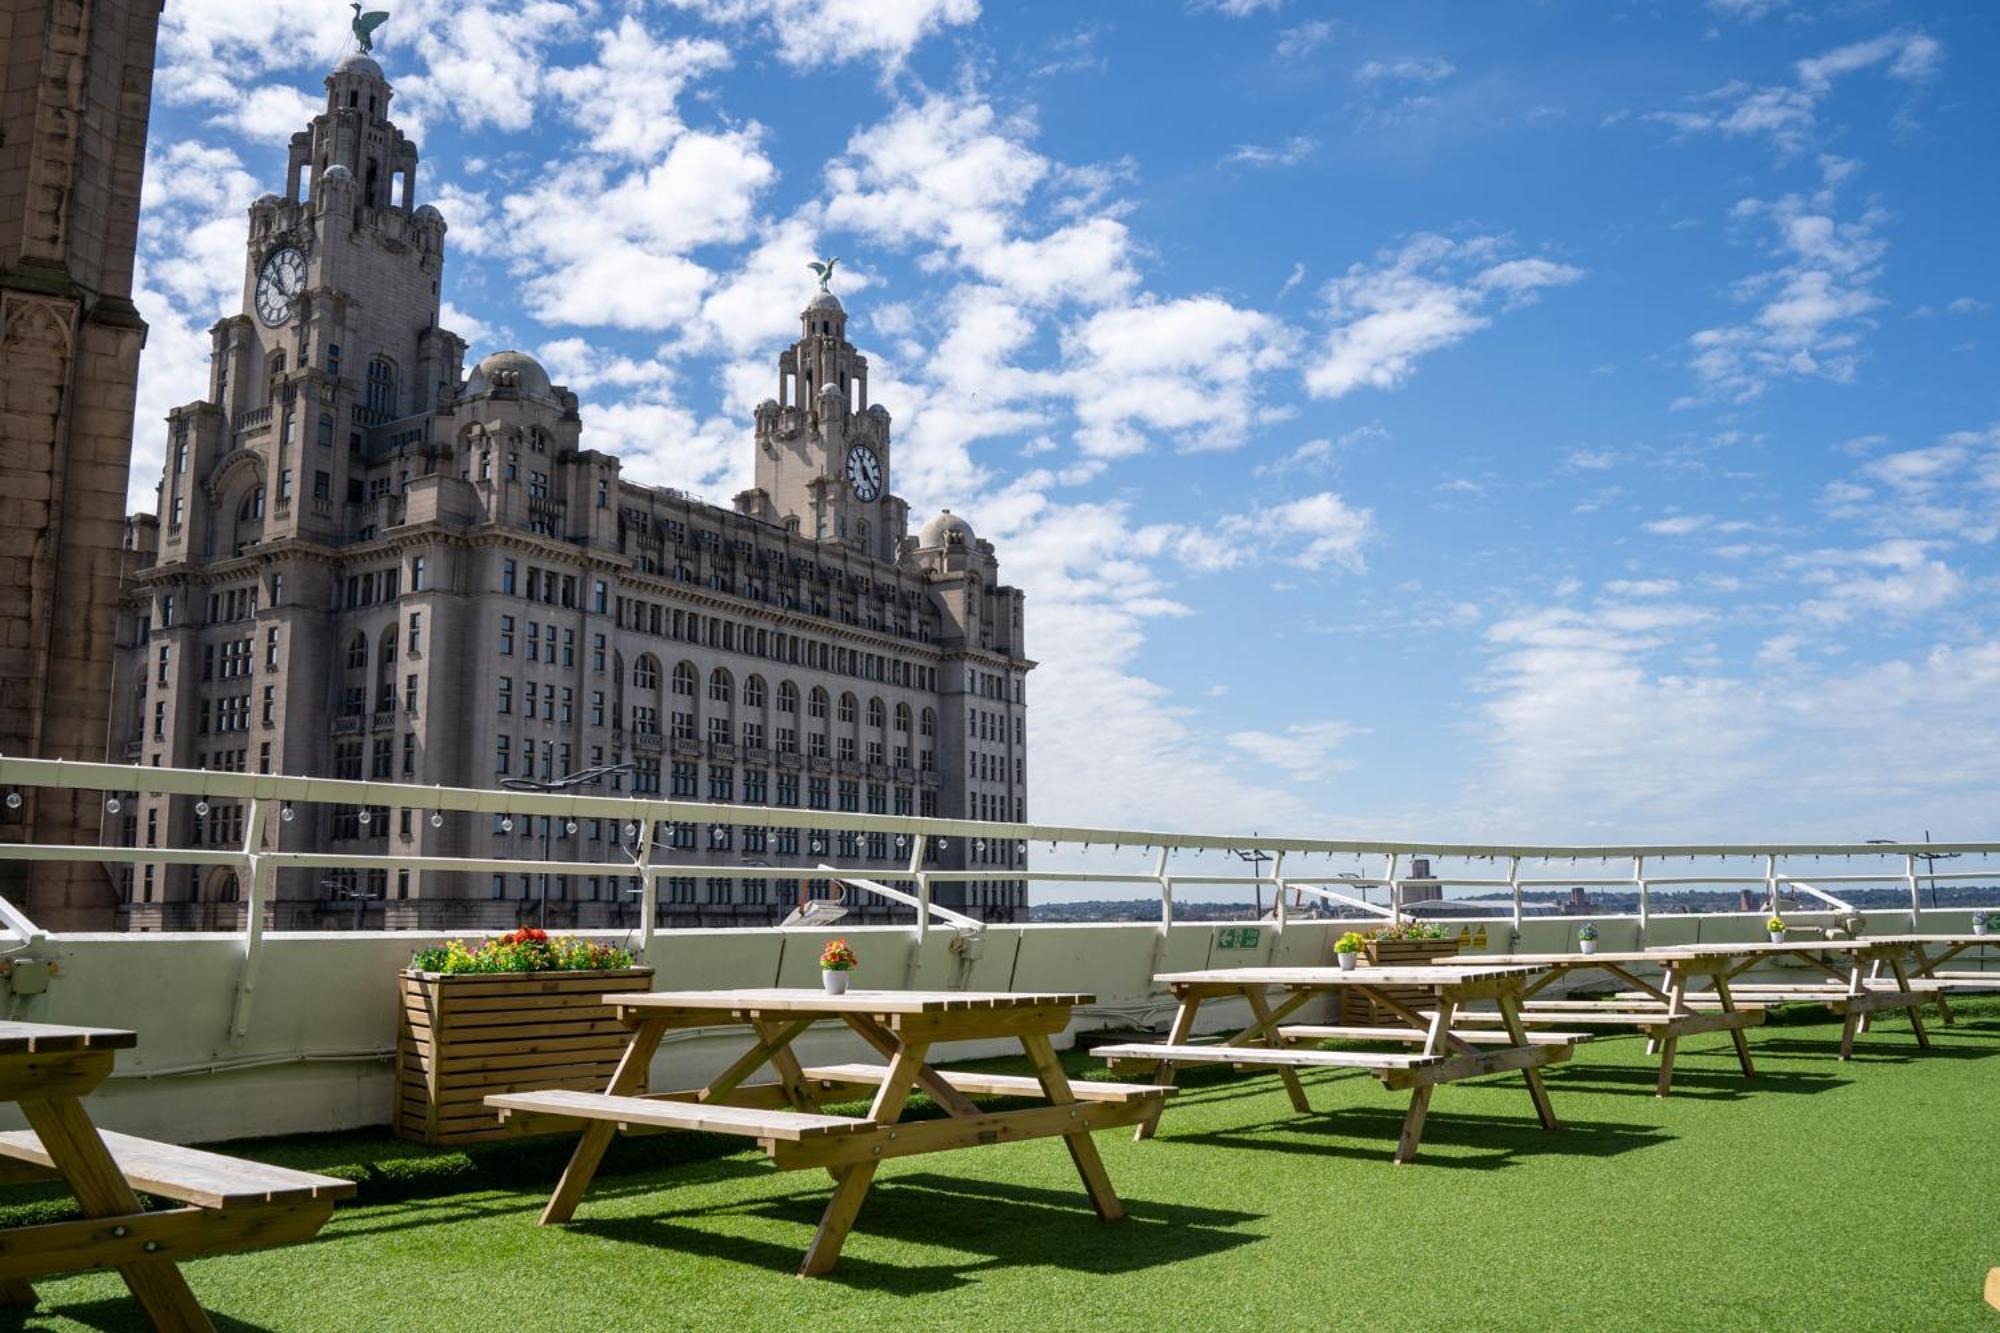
(1716, 1085)
(1370, 1133)
(115, 1315)
(1014, 1225)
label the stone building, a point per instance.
(75, 96)
(367, 562)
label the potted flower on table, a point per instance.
(835, 962)
(1586, 937)
(1776, 925)
(1982, 922)
(1347, 951)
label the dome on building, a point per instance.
(830, 388)
(428, 214)
(513, 372)
(356, 63)
(947, 529)
(267, 201)
(823, 300)
(337, 174)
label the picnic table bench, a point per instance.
(784, 1116)
(228, 1204)
(1445, 1052)
(1662, 1012)
(1928, 965)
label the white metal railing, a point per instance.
(1644, 869)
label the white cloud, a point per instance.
(1301, 41)
(1310, 532)
(1304, 749)
(1642, 587)
(627, 97)
(1287, 154)
(1416, 69)
(821, 32)
(1428, 295)
(270, 114)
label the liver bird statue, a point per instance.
(825, 270)
(366, 24)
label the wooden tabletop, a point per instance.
(40, 1038)
(1766, 946)
(1618, 956)
(1968, 938)
(1334, 976)
(808, 1000)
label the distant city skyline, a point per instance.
(1525, 421)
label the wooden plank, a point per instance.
(1410, 1036)
(1263, 1055)
(634, 1067)
(1082, 1151)
(190, 1175)
(46, 1038)
(995, 1085)
(707, 1117)
(50, 1074)
(940, 1088)
(987, 1127)
(1454, 1067)
(854, 1180)
(779, 1000)
(1436, 975)
(1163, 1070)
(1993, 1287)
(1266, 1020)
(173, 1235)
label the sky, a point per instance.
(1568, 421)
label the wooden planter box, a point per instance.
(462, 1037)
(1362, 1011)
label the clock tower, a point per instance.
(822, 448)
(337, 356)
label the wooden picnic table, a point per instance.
(1856, 992)
(1661, 1012)
(1445, 1054)
(785, 1118)
(1927, 964)
(228, 1204)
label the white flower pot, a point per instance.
(1777, 937)
(1980, 927)
(1348, 960)
(1586, 946)
(835, 982)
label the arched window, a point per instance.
(928, 727)
(718, 686)
(847, 708)
(646, 672)
(252, 508)
(878, 716)
(788, 697)
(357, 651)
(903, 717)
(753, 692)
(816, 704)
(381, 388)
(684, 679)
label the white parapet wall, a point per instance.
(319, 1031)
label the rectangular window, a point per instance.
(600, 592)
(534, 642)
(506, 636)
(507, 576)
(416, 573)
(284, 483)
(597, 708)
(322, 485)
(568, 696)
(721, 783)
(416, 634)
(597, 652)
(270, 704)
(166, 659)
(569, 648)
(506, 694)
(409, 758)
(502, 755)
(410, 693)
(788, 789)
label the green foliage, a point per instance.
(1411, 930)
(1587, 931)
(524, 950)
(1775, 924)
(1348, 943)
(838, 957)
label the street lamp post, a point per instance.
(588, 777)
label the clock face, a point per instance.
(279, 283)
(864, 472)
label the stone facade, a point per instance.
(368, 562)
(75, 95)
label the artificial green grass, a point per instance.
(1860, 1195)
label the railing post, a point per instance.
(1514, 888)
(649, 887)
(1166, 888)
(1771, 882)
(1639, 878)
(923, 885)
(1278, 881)
(253, 919)
(1916, 898)
(1395, 892)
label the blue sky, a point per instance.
(1566, 421)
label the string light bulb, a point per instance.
(13, 800)
(201, 808)
(507, 823)
(285, 812)
(111, 804)
(437, 819)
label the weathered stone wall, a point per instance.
(75, 95)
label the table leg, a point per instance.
(1728, 1003)
(1163, 1072)
(1927, 967)
(1082, 1151)
(77, 1152)
(1436, 1027)
(1260, 1009)
(1874, 974)
(778, 1037)
(630, 1077)
(1510, 1014)
(841, 1210)
(16, 1292)
(935, 1084)
(1665, 1047)
(1914, 1010)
